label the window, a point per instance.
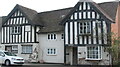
(51, 36)
(51, 51)
(16, 30)
(98, 23)
(62, 36)
(27, 28)
(93, 52)
(13, 48)
(85, 28)
(27, 49)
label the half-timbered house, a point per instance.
(86, 30)
(19, 32)
(76, 35)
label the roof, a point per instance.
(51, 20)
(103, 12)
(30, 14)
(97, 8)
(110, 8)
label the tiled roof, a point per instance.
(110, 8)
(32, 15)
(29, 13)
(50, 20)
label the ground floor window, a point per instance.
(12, 48)
(93, 52)
(26, 49)
(51, 51)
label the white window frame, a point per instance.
(52, 36)
(27, 28)
(15, 48)
(25, 49)
(53, 50)
(16, 30)
(99, 53)
(85, 27)
(62, 36)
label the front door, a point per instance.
(75, 55)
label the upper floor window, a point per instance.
(62, 36)
(16, 30)
(85, 27)
(94, 52)
(27, 28)
(52, 36)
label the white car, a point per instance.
(9, 58)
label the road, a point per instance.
(38, 66)
(51, 65)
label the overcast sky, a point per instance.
(39, 5)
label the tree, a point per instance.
(114, 49)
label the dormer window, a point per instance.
(85, 28)
(16, 30)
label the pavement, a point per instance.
(40, 64)
(53, 65)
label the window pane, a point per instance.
(54, 51)
(51, 51)
(48, 51)
(51, 36)
(54, 36)
(48, 36)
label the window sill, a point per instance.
(15, 33)
(26, 53)
(84, 35)
(93, 59)
(51, 54)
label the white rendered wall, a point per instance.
(44, 44)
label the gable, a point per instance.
(86, 25)
(28, 16)
(16, 18)
(86, 11)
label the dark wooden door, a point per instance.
(75, 55)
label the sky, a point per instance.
(39, 5)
